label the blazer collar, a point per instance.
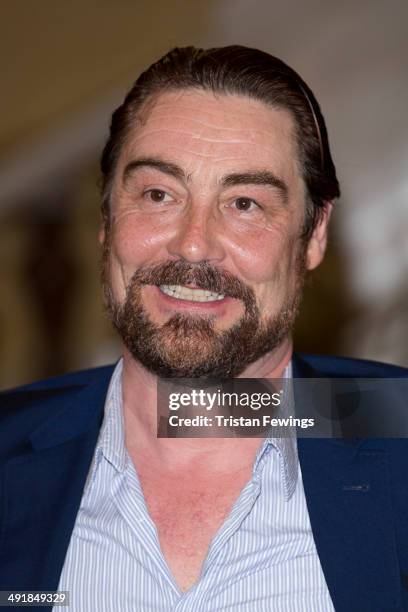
(301, 368)
(75, 413)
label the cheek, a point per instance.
(262, 258)
(134, 242)
(137, 239)
(268, 263)
(263, 250)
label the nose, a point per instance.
(197, 237)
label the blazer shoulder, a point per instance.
(64, 381)
(24, 408)
(337, 366)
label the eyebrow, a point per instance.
(253, 177)
(257, 177)
(158, 164)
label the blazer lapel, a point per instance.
(348, 496)
(43, 488)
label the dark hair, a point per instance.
(235, 70)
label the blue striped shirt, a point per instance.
(263, 558)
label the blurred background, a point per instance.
(66, 66)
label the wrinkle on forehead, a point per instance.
(156, 108)
(194, 128)
(248, 137)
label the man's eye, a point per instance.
(157, 195)
(245, 204)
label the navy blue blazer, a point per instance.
(356, 489)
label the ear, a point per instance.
(101, 234)
(318, 241)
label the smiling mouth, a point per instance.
(190, 294)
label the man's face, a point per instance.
(204, 264)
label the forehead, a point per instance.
(202, 130)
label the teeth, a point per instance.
(194, 295)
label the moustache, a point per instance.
(202, 275)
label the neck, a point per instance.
(140, 416)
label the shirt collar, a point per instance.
(111, 440)
(285, 447)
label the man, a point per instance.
(218, 184)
